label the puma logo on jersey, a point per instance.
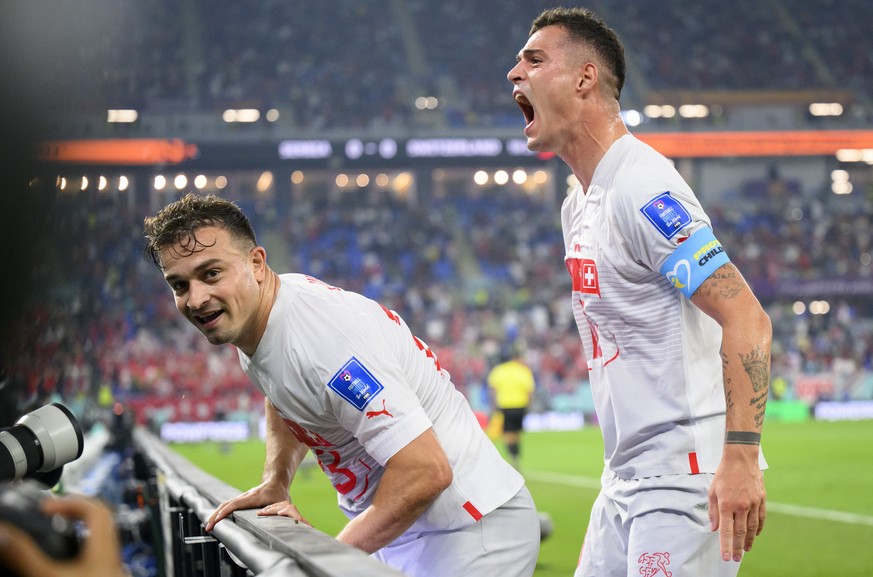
(384, 411)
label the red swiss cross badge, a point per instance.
(583, 272)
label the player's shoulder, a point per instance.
(643, 171)
(306, 287)
(310, 299)
(303, 298)
(646, 178)
(303, 282)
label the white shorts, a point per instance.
(503, 543)
(653, 527)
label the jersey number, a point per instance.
(333, 468)
(315, 442)
(422, 346)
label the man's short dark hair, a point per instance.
(584, 26)
(179, 221)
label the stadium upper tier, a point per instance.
(365, 65)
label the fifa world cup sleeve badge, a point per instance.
(354, 383)
(667, 214)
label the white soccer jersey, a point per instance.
(356, 386)
(653, 357)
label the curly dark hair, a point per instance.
(179, 221)
(586, 27)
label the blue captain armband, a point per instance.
(694, 261)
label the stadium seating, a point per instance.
(105, 318)
(359, 65)
(467, 271)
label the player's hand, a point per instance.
(284, 509)
(99, 554)
(264, 494)
(737, 501)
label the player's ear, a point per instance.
(587, 77)
(259, 262)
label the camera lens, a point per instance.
(40, 441)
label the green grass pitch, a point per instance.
(819, 487)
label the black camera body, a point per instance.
(21, 505)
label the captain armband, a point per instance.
(694, 261)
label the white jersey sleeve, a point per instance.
(365, 387)
(656, 215)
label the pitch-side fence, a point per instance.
(241, 545)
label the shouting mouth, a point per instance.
(526, 108)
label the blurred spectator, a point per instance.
(94, 319)
(473, 269)
(358, 65)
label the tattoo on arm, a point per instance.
(742, 438)
(757, 366)
(724, 367)
(728, 401)
(726, 281)
(759, 402)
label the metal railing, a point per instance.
(243, 544)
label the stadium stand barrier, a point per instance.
(243, 544)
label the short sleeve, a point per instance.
(352, 356)
(377, 406)
(671, 234)
(659, 222)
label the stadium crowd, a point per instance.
(365, 63)
(469, 272)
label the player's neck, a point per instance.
(269, 293)
(595, 139)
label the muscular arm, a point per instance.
(745, 348)
(413, 479)
(737, 497)
(283, 451)
(283, 455)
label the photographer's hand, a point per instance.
(99, 556)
